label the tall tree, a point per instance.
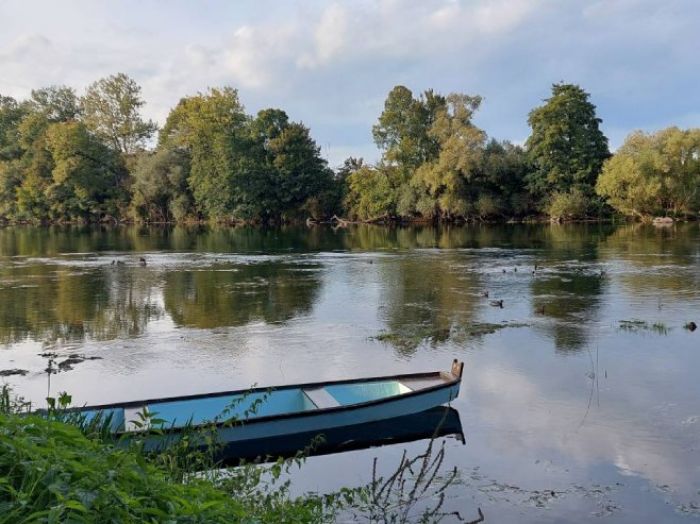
(11, 114)
(111, 108)
(87, 177)
(443, 182)
(402, 131)
(55, 103)
(211, 129)
(566, 145)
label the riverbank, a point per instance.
(52, 472)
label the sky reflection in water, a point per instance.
(569, 414)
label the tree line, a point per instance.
(94, 157)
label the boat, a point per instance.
(260, 413)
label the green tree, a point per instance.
(654, 174)
(55, 103)
(302, 177)
(442, 182)
(46, 107)
(502, 183)
(11, 114)
(111, 110)
(370, 194)
(566, 146)
(211, 128)
(402, 131)
(159, 191)
(87, 177)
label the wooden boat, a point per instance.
(286, 410)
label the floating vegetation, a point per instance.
(10, 372)
(642, 325)
(410, 340)
(496, 492)
(68, 363)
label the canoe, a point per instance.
(285, 410)
(441, 421)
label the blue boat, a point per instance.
(261, 413)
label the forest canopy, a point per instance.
(66, 157)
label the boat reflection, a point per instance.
(440, 421)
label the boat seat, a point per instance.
(131, 415)
(321, 398)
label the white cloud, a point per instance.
(331, 64)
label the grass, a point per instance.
(53, 468)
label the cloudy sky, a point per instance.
(331, 64)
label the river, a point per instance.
(580, 400)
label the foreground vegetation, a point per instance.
(54, 470)
(95, 158)
(58, 467)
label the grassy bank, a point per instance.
(57, 468)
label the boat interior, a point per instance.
(247, 406)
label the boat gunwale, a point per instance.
(446, 383)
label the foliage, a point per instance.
(442, 183)
(402, 130)
(264, 168)
(654, 174)
(60, 468)
(160, 192)
(437, 164)
(568, 205)
(566, 146)
(87, 177)
(111, 109)
(210, 128)
(70, 158)
(370, 194)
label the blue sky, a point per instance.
(331, 64)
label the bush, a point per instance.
(52, 472)
(568, 205)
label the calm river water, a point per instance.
(581, 395)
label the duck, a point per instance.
(142, 261)
(497, 303)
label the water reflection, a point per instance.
(568, 403)
(232, 296)
(56, 305)
(436, 422)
